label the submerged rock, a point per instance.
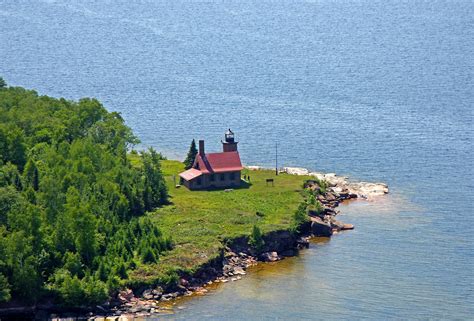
(269, 257)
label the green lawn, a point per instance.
(197, 221)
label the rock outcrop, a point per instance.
(342, 184)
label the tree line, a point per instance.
(72, 223)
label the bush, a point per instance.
(300, 216)
(73, 291)
(256, 240)
(148, 256)
(4, 289)
(317, 207)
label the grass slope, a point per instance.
(198, 221)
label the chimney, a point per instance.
(201, 147)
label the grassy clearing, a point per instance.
(198, 221)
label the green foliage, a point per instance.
(148, 256)
(319, 207)
(155, 190)
(31, 175)
(314, 206)
(12, 143)
(78, 292)
(3, 83)
(199, 220)
(71, 201)
(300, 216)
(188, 162)
(4, 289)
(256, 239)
(323, 187)
(311, 199)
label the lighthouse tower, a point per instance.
(229, 144)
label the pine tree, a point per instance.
(256, 239)
(148, 256)
(101, 273)
(122, 271)
(188, 162)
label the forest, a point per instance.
(72, 223)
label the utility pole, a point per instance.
(276, 159)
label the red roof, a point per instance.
(190, 174)
(218, 162)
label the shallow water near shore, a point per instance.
(376, 90)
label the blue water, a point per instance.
(377, 90)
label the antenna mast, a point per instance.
(276, 158)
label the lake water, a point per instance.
(377, 90)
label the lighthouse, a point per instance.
(229, 144)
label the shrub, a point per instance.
(300, 216)
(4, 289)
(148, 256)
(256, 240)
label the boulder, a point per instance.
(302, 243)
(330, 211)
(337, 225)
(270, 257)
(330, 197)
(321, 198)
(227, 268)
(279, 241)
(229, 254)
(157, 292)
(126, 295)
(183, 282)
(315, 212)
(320, 228)
(148, 294)
(239, 271)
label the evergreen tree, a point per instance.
(256, 240)
(188, 162)
(70, 200)
(122, 271)
(148, 256)
(16, 149)
(101, 273)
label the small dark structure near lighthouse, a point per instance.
(215, 170)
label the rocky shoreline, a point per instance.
(237, 256)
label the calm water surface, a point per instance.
(378, 90)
